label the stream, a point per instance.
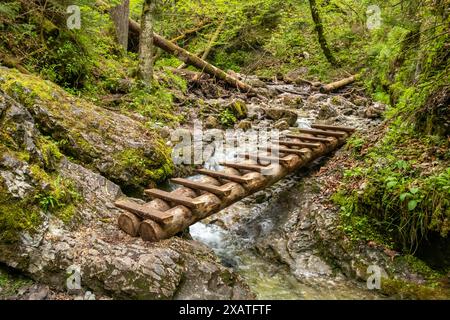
(268, 278)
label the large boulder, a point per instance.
(116, 145)
(281, 113)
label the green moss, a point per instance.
(418, 266)
(60, 196)
(227, 118)
(11, 282)
(50, 151)
(144, 169)
(17, 216)
(407, 290)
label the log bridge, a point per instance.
(170, 213)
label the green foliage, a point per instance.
(67, 64)
(395, 195)
(11, 283)
(227, 118)
(155, 103)
(145, 169)
(59, 197)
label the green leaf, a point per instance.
(391, 184)
(414, 190)
(405, 195)
(412, 204)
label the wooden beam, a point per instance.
(287, 162)
(222, 175)
(336, 128)
(248, 167)
(144, 212)
(218, 191)
(323, 133)
(167, 196)
(297, 144)
(283, 150)
(307, 138)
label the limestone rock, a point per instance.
(117, 146)
(211, 122)
(280, 113)
(326, 111)
(281, 125)
(244, 125)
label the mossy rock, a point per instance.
(119, 147)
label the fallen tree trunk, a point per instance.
(202, 25)
(211, 43)
(337, 85)
(197, 62)
(193, 60)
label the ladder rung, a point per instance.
(222, 175)
(298, 144)
(307, 138)
(328, 127)
(323, 133)
(241, 166)
(219, 191)
(283, 150)
(144, 212)
(163, 195)
(258, 157)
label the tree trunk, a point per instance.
(320, 32)
(211, 43)
(145, 72)
(120, 16)
(195, 61)
(191, 59)
(214, 39)
(337, 85)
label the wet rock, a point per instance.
(360, 101)
(211, 122)
(164, 132)
(295, 76)
(318, 97)
(244, 125)
(239, 108)
(375, 111)
(326, 111)
(280, 113)
(292, 100)
(281, 125)
(256, 83)
(349, 112)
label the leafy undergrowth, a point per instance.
(11, 283)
